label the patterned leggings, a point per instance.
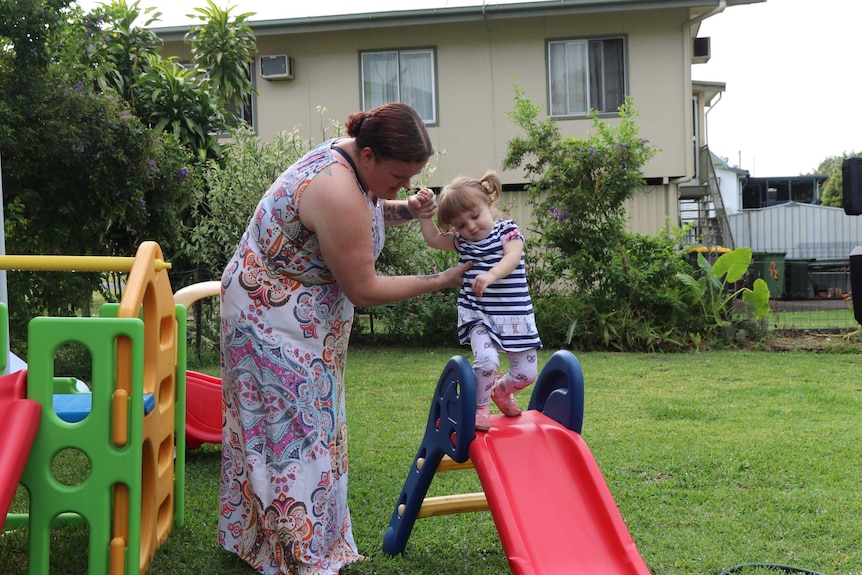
(523, 366)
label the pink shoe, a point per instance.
(505, 401)
(483, 417)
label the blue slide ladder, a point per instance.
(558, 393)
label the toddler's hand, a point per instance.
(423, 204)
(482, 281)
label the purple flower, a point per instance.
(558, 215)
(183, 172)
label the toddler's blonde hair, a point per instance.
(465, 194)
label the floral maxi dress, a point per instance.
(285, 326)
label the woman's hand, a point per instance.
(423, 204)
(454, 276)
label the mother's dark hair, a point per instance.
(393, 131)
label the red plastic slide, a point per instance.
(20, 417)
(549, 500)
(203, 409)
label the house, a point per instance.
(765, 192)
(730, 183)
(457, 66)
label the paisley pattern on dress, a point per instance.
(285, 326)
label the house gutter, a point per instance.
(713, 103)
(722, 4)
(447, 15)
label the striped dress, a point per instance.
(505, 308)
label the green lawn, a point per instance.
(838, 319)
(714, 459)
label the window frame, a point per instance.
(586, 41)
(399, 52)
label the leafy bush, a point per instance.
(82, 176)
(578, 188)
(224, 207)
(611, 288)
(427, 320)
(712, 291)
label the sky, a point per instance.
(792, 69)
(793, 84)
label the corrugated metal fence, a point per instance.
(802, 251)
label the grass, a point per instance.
(714, 459)
(831, 319)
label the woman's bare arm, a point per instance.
(335, 210)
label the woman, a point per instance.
(307, 257)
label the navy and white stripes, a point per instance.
(505, 307)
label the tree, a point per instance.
(172, 99)
(81, 174)
(163, 94)
(578, 188)
(832, 192)
(611, 288)
(221, 49)
(119, 51)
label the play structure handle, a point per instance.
(73, 263)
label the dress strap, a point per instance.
(347, 157)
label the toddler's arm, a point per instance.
(512, 251)
(430, 232)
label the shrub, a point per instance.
(613, 289)
(223, 208)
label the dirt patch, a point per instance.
(817, 342)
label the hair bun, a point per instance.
(354, 123)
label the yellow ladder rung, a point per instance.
(451, 504)
(449, 464)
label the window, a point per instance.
(586, 75)
(765, 192)
(246, 110)
(400, 76)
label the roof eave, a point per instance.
(459, 14)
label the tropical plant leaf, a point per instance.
(757, 298)
(732, 265)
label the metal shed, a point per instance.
(810, 244)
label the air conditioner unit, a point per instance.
(277, 67)
(700, 50)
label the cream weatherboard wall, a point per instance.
(477, 61)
